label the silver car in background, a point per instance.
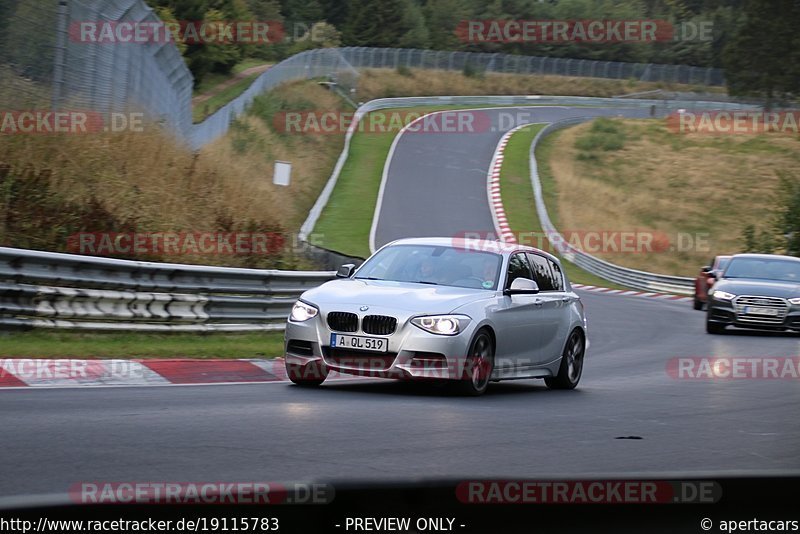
(467, 311)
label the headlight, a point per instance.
(722, 295)
(303, 312)
(795, 301)
(445, 325)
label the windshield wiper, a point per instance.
(366, 278)
(426, 282)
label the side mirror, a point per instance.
(346, 270)
(522, 286)
(706, 269)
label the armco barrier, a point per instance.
(608, 271)
(53, 290)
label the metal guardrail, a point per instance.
(342, 65)
(54, 290)
(619, 275)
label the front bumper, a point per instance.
(723, 312)
(412, 352)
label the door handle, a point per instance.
(538, 302)
(566, 299)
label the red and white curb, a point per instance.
(632, 293)
(21, 372)
(493, 188)
(506, 235)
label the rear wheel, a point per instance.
(479, 365)
(571, 369)
(311, 374)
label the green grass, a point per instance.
(518, 199)
(105, 345)
(345, 222)
(203, 110)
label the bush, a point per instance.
(604, 134)
(472, 71)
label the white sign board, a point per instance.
(282, 174)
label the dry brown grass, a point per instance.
(669, 183)
(378, 83)
(151, 183)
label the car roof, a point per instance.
(767, 257)
(478, 245)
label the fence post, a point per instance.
(60, 54)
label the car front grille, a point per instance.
(379, 325)
(343, 321)
(760, 310)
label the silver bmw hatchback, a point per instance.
(466, 311)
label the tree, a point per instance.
(789, 222)
(442, 18)
(384, 23)
(762, 58)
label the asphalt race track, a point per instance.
(387, 430)
(373, 429)
(436, 183)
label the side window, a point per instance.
(542, 272)
(518, 268)
(558, 278)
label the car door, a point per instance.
(553, 312)
(516, 321)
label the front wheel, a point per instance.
(714, 328)
(479, 365)
(311, 374)
(571, 369)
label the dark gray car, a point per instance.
(759, 291)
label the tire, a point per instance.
(714, 328)
(571, 368)
(698, 304)
(479, 365)
(312, 374)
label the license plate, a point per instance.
(750, 310)
(372, 344)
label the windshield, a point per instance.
(434, 265)
(764, 269)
